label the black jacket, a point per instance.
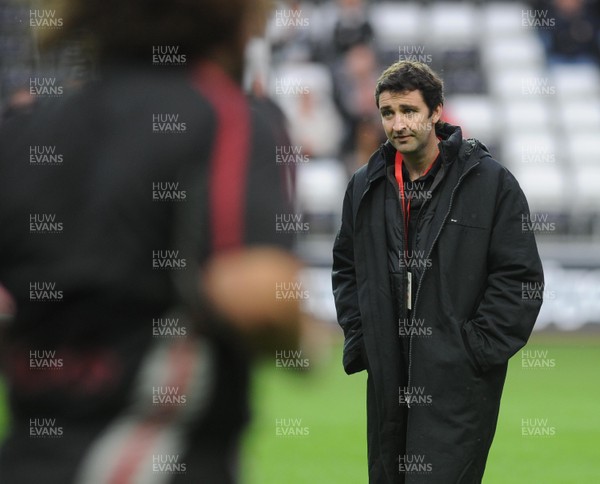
(470, 312)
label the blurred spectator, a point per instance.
(316, 126)
(304, 92)
(16, 55)
(289, 32)
(23, 26)
(367, 137)
(352, 26)
(355, 75)
(355, 80)
(574, 36)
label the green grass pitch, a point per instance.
(559, 396)
(552, 393)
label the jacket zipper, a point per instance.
(414, 310)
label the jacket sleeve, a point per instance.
(512, 298)
(345, 289)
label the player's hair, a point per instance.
(131, 28)
(407, 76)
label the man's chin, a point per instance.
(404, 148)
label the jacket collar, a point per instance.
(450, 144)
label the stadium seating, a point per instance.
(542, 121)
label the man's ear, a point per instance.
(437, 114)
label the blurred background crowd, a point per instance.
(523, 77)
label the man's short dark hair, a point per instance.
(405, 76)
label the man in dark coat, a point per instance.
(432, 266)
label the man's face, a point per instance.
(406, 121)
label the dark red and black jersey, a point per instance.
(112, 197)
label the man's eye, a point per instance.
(386, 114)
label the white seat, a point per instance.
(576, 80)
(322, 21)
(544, 186)
(315, 77)
(320, 303)
(396, 24)
(540, 86)
(321, 185)
(586, 189)
(452, 24)
(511, 83)
(583, 148)
(475, 114)
(538, 149)
(502, 20)
(525, 50)
(291, 80)
(579, 115)
(527, 115)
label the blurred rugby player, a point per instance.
(139, 249)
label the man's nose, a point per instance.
(399, 123)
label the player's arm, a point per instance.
(241, 284)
